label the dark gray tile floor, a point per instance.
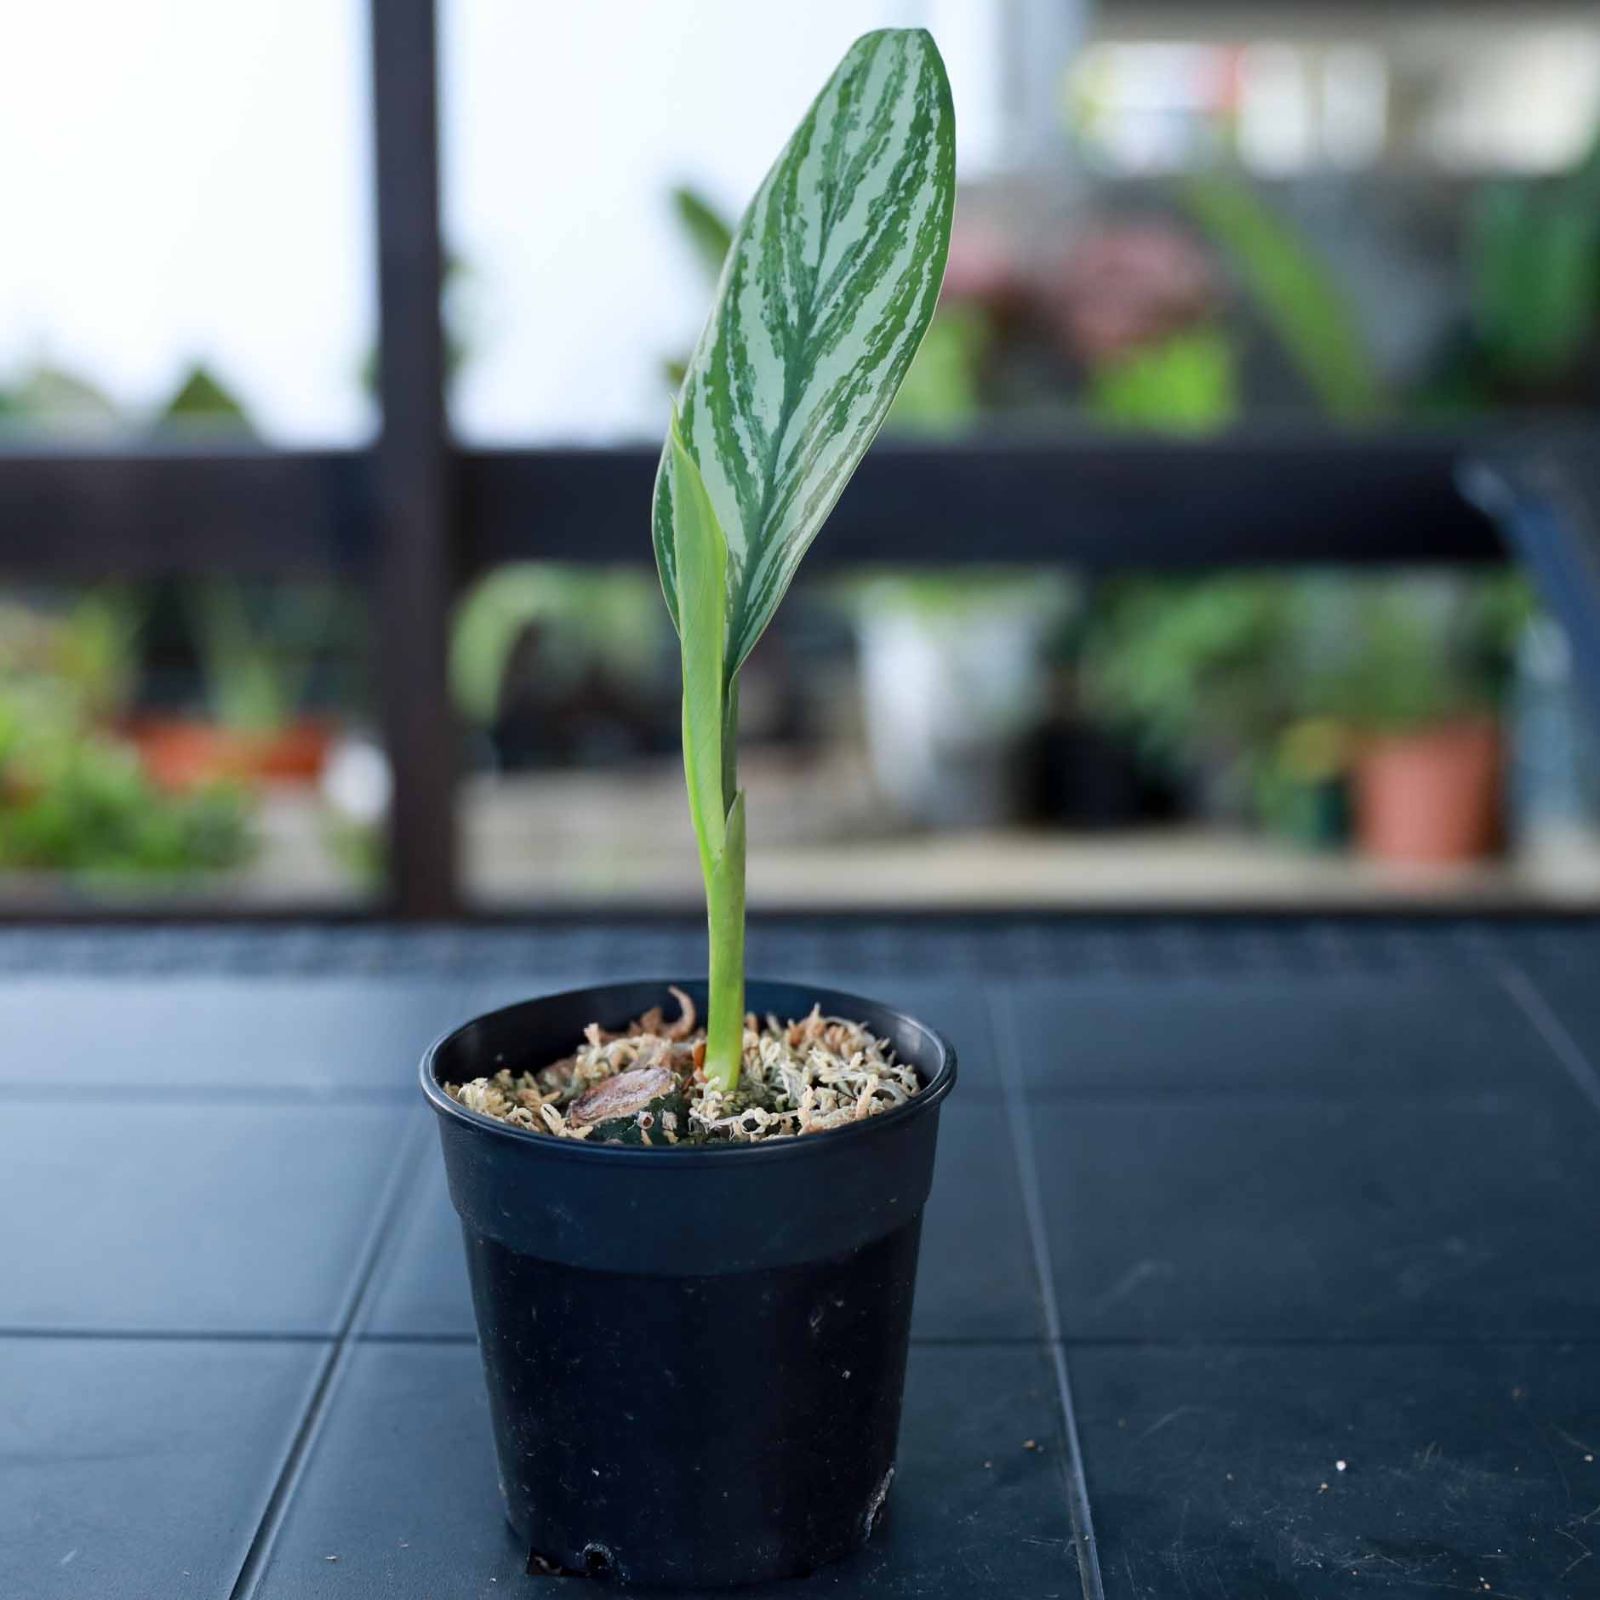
(224, 1216)
(1324, 1033)
(1288, 1194)
(399, 1488)
(137, 1469)
(1259, 1218)
(1329, 1472)
(274, 1032)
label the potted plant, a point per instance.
(952, 683)
(692, 1251)
(1195, 669)
(543, 656)
(254, 729)
(1425, 661)
(73, 798)
(256, 651)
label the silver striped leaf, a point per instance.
(824, 297)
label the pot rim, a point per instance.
(789, 1148)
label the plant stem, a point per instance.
(725, 920)
(724, 879)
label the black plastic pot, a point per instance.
(695, 1356)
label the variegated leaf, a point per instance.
(825, 295)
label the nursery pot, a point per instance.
(947, 701)
(1431, 797)
(694, 1355)
(179, 754)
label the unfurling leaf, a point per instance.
(828, 287)
(825, 295)
(703, 627)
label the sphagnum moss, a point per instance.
(648, 1085)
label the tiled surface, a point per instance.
(1468, 1469)
(1343, 1033)
(1300, 1193)
(421, 1288)
(1257, 1218)
(1563, 1002)
(347, 1033)
(136, 1469)
(400, 1487)
(220, 1217)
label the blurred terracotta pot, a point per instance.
(1430, 797)
(181, 754)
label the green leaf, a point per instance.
(709, 234)
(1296, 292)
(825, 295)
(703, 613)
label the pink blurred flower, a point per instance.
(1126, 285)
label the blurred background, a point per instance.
(1261, 252)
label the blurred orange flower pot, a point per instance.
(181, 754)
(1430, 796)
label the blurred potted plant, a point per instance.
(74, 798)
(952, 682)
(716, 1230)
(257, 653)
(257, 650)
(1424, 665)
(1194, 669)
(59, 401)
(1303, 789)
(1136, 304)
(542, 655)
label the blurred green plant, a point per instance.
(84, 806)
(1188, 384)
(1238, 659)
(709, 233)
(1301, 788)
(1533, 254)
(203, 400)
(259, 649)
(1409, 652)
(85, 651)
(258, 645)
(587, 620)
(940, 395)
(58, 399)
(73, 798)
(1298, 296)
(1192, 667)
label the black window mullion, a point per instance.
(413, 479)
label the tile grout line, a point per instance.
(1549, 1026)
(167, 1335)
(1492, 1339)
(389, 1210)
(1078, 1507)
